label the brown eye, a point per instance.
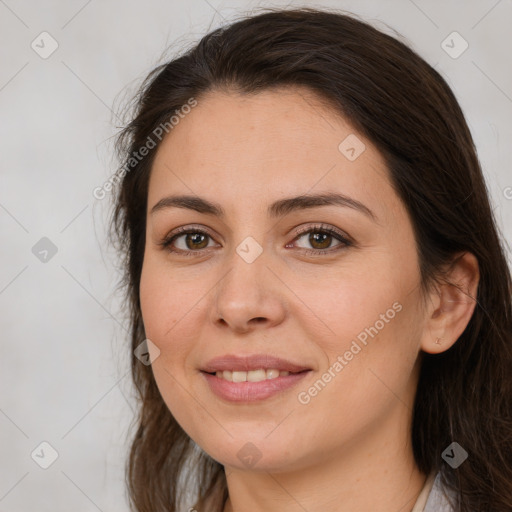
(321, 240)
(195, 240)
(186, 241)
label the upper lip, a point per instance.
(251, 362)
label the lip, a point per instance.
(246, 392)
(247, 363)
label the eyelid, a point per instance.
(323, 227)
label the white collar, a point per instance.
(433, 497)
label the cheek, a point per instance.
(161, 307)
(164, 308)
(152, 306)
(348, 302)
(374, 325)
(172, 312)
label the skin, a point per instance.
(348, 449)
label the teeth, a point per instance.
(252, 376)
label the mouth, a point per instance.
(258, 375)
(249, 363)
(251, 378)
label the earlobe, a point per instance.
(454, 304)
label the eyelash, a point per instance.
(321, 228)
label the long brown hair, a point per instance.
(400, 103)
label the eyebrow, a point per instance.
(279, 208)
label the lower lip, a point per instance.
(252, 391)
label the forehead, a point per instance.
(225, 121)
(267, 145)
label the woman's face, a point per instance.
(266, 279)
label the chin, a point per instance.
(262, 455)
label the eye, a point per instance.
(321, 238)
(193, 239)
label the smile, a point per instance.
(238, 387)
(251, 376)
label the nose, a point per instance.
(249, 296)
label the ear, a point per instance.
(451, 305)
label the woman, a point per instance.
(315, 275)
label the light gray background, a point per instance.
(64, 352)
